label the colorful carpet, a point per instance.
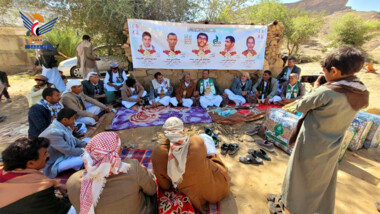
(140, 116)
(143, 156)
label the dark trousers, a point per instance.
(5, 93)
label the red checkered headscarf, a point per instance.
(101, 159)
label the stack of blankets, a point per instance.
(364, 131)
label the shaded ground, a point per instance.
(358, 177)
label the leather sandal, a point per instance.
(251, 159)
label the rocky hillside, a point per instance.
(330, 6)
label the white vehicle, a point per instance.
(69, 66)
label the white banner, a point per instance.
(170, 45)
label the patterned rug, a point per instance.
(140, 116)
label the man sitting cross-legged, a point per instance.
(293, 91)
(86, 107)
(185, 94)
(23, 187)
(265, 88)
(189, 165)
(132, 93)
(240, 89)
(64, 149)
(160, 91)
(109, 185)
(209, 91)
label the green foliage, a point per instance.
(300, 26)
(353, 30)
(66, 39)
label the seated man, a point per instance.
(115, 78)
(160, 91)
(265, 88)
(283, 77)
(35, 93)
(293, 91)
(93, 87)
(184, 163)
(185, 94)
(24, 189)
(120, 186)
(210, 91)
(241, 89)
(132, 93)
(44, 112)
(65, 150)
(86, 107)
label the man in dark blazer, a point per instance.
(283, 77)
(94, 87)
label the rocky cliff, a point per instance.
(330, 6)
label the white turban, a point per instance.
(179, 147)
(90, 74)
(72, 83)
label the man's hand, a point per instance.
(257, 94)
(62, 188)
(34, 68)
(318, 82)
(108, 110)
(244, 93)
(225, 95)
(181, 101)
(138, 99)
(154, 103)
(96, 118)
(266, 101)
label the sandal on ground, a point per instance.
(273, 197)
(224, 149)
(251, 159)
(233, 148)
(215, 138)
(253, 131)
(260, 153)
(274, 208)
(208, 131)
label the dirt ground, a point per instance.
(358, 177)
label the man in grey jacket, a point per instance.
(241, 88)
(65, 150)
(265, 88)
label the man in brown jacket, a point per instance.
(121, 186)
(86, 107)
(86, 59)
(132, 93)
(185, 93)
(184, 163)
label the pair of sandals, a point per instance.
(255, 157)
(214, 136)
(230, 148)
(274, 204)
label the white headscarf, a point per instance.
(90, 74)
(179, 147)
(72, 83)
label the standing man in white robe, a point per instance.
(160, 91)
(86, 59)
(50, 66)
